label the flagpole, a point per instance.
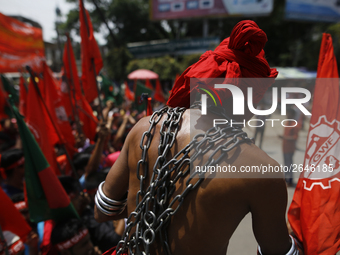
(100, 114)
(2, 238)
(75, 111)
(50, 117)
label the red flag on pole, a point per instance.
(41, 126)
(55, 105)
(128, 93)
(159, 93)
(87, 118)
(70, 68)
(148, 84)
(315, 210)
(23, 96)
(83, 108)
(90, 55)
(11, 219)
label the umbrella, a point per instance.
(142, 74)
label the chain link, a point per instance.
(153, 205)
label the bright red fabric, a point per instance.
(239, 56)
(159, 93)
(90, 55)
(20, 45)
(315, 210)
(71, 71)
(55, 105)
(11, 219)
(148, 84)
(81, 106)
(128, 93)
(41, 126)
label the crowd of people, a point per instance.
(92, 162)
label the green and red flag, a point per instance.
(11, 219)
(46, 197)
(91, 59)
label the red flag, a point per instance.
(55, 105)
(159, 93)
(149, 107)
(23, 96)
(315, 210)
(148, 84)
(128, 93)
(90, 55)
(81, 105)
(71, 81)
(70, 69)
(11, 219)
(87, 118)
(41, 126)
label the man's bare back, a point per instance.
(210, 214)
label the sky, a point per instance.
(43, 12)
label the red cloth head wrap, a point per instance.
(239, 56)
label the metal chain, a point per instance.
(154, 206)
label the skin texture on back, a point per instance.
(211, 213)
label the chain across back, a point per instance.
(154, 204)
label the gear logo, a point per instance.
(323, 149)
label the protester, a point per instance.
(104, 235)
(213, 210)
(72, 237)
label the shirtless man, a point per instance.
(210, 213)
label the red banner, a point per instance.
(20, 45)
(315, 210)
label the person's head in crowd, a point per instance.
(80, 161)
(73, 190)
(72, 238)
(15, 245)
(12, 170)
